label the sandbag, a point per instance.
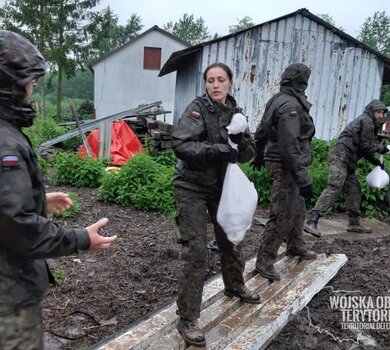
(237, 204)
(377, 178)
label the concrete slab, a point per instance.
(336, 227)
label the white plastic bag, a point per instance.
(377, 178)
(237, 204)
(237, 124)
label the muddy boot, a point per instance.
(311, 224)
(265, 268)
(245, 295)
(355, 226)
(190, 331)
(303, 253)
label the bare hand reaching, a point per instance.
(58, 202)
(99, 242)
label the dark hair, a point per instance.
(219, 65)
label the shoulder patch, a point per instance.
(293, 113)
(195, 114)
(9, 161)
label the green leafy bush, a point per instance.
(72, 211)
(71, 169)
(45, 129)
(261, 182)
(374, 201)
(143, 183)
(42, 130)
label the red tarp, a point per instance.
(124, 143)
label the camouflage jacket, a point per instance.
(359, 138)
(284, 135)
(27, 237)
(201, 144)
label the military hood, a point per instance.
(294, 82)
(20, 63)
(375, 105)
(296, 75)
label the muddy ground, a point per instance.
(103, 293)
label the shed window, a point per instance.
(152, 58)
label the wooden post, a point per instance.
(76, 118)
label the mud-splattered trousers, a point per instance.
(201, 144)
(340, 180)
(192, 218)
(287, 215)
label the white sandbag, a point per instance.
(237, 204)
(377, 178)
(237, 124)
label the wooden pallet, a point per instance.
(227, 322)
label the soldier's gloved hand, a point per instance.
(236, 138)
(376, 162)
(385, 149)
(233, 155)
(257, 163)
(306, 191)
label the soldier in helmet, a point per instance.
(27, 236)
(358, 140)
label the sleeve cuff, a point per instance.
(83, 241)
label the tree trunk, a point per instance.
(59, 93)
(42, 90)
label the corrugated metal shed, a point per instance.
(346, 74)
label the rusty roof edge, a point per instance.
(172, 63)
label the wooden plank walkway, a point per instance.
(227, 322)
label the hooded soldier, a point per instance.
(358, 140)
(283, 145)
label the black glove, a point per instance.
(377, 162)
(233, 155)
(306, 191)
(257, 163)
(382, 165)
(384, 149)
(236, 138)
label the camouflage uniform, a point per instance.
(201, 144)
(283, 142)
(27, 237)
(358, 140)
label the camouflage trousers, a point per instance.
(193, 210)
(22, 330)
(286, 216)
(340, 180)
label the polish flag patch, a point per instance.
(195, 114)
(9, 161)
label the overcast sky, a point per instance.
(220, 14)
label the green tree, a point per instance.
(375, 32)
(243, 23)
(57, 28)
(68, 43)
(189, 29)
(129, 31)
(328, 18)
(106, 34)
